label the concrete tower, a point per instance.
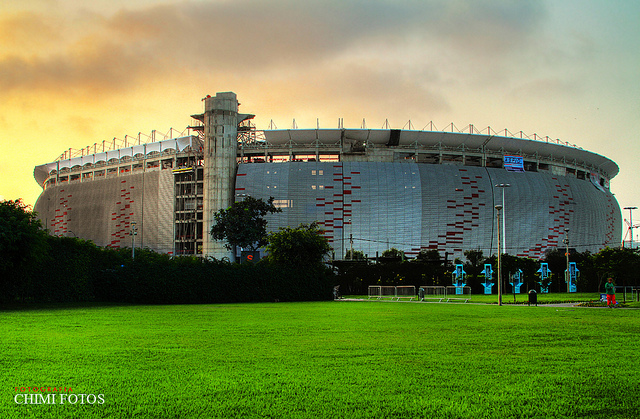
(220, 149)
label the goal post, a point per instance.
(382, 291)
(406, 291)
(431, 292)
(458, 293)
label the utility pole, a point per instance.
(498, 208)
(503, 186)
(566, 243)
(133, 233)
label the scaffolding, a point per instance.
(188, 214)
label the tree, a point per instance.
(622, 264)
(243, 223)
(301, 246)
(474, 267)
(22, 244)
(432, 267)
(393, 255)
(357, 255)
(429, 255)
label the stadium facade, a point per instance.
(369, 189)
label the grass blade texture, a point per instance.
(328, 359)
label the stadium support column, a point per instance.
(220, 150)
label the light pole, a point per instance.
(630, 225)
(566, 243)
(498, 208)
(133, 233)
(504, 217)
(351, 239)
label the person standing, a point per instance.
(610, 289)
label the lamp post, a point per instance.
(498, 208)
(133, 233)
(504, 217)
(630, 225)
(566, 243)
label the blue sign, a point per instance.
(513, 163)
(573, 276)
(488, 274)
(516, 281)
(544, 275)
(458, 278)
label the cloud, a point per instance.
(254, 39)
(23, 32)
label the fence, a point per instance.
(406, 291)
(430, 292)
(458, 293)
(629, 289)
(426, 292)
(450, 293)
(382, 291)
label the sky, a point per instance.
(74, 73)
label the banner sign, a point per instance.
(573, 276)
(247, 256)
(544, 275)
(516, 281)
(488, 274)
(513, 163)
(458, 278)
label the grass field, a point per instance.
(629, 302)
(327, 359)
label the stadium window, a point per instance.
(283, 203)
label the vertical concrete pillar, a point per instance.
(220, 150)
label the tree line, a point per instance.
(356, 273)
(38, 267)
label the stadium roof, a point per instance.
(407, 138)
(42, 171)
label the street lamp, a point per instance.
(498, 208)
(630, 226)
(566, 243)
(351, 238)
(133, 233)
(504, 217)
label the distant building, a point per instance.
(368, 188)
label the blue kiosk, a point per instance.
(516, 281)
(458, 279)
(544, 276)
(488, 278)
(574, 273)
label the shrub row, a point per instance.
(74, 270)
(188, 280)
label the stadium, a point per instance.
(369, 189)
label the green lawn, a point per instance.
(551, 298)
(327, 359)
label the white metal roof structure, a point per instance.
(43, 171)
